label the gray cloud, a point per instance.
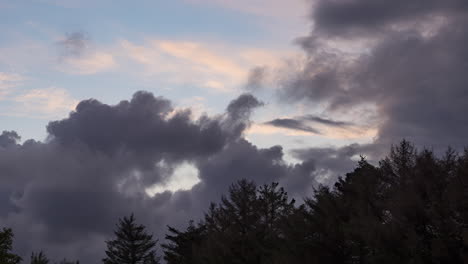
(64, 195)
(141, 126)
(326, 121)
(9, 138)
(242, 107)
(412, 72)
(292, 124)
(415, 79)
(257, 77)
(360, 16)
(301, 123)
(73, 44)
(333, 162)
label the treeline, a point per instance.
(411, 208)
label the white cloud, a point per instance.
(90, 63)
(43, 103)
(219, 68)
(184, 178)
(7, 81)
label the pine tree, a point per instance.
(6, 244)
(182, 247)
(39, 258)
(65, 261)
(245, 227)
(132, 244)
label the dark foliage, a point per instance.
(412, 208)
(39, 258)
(132, 244)
(246, 227)
(65, 261)
(6, 245)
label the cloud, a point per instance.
(256, 78)
(326, 121)
(8, 81)
(90, 64)
(292, 124)
(410, 68)
(8, 138)
(338, 17)
(74, 44)
(312, 124)
(77, 55)
(100, 162)
(220, 68)
(188, 62)
(390, 70)
(146, 115)
(333, 162)
(242, 107)
(36, 103)
(43, 103)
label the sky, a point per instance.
(155, 107)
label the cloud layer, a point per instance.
(410, 70)
(64, 195)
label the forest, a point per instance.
(411, 207)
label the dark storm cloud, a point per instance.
(320, 79)
(241, 160)
(333, 162)
(9, 138)
(292, 124)
(142, 126)
(65, 195)
(420, 86)
(413, 74)
(242, 107)
(326, 121)
(238, 113)
(337, 17)
(301, 123)
(73, 44)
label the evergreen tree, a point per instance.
(6, 245)
(183, 246)
(65, 261)
(132, 244)
(245, 227)
(39, 258)
(411, 208)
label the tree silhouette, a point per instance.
(411, 208)
(65, 261)
(132, 244)
(39, 258)
(183, 247)
(245, 227)
(6, 245)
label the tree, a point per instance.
(411, 208)
(182, 246)
(245, 227)
(6, 245)
(39, 258)
(65, 261)
(132, 244)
